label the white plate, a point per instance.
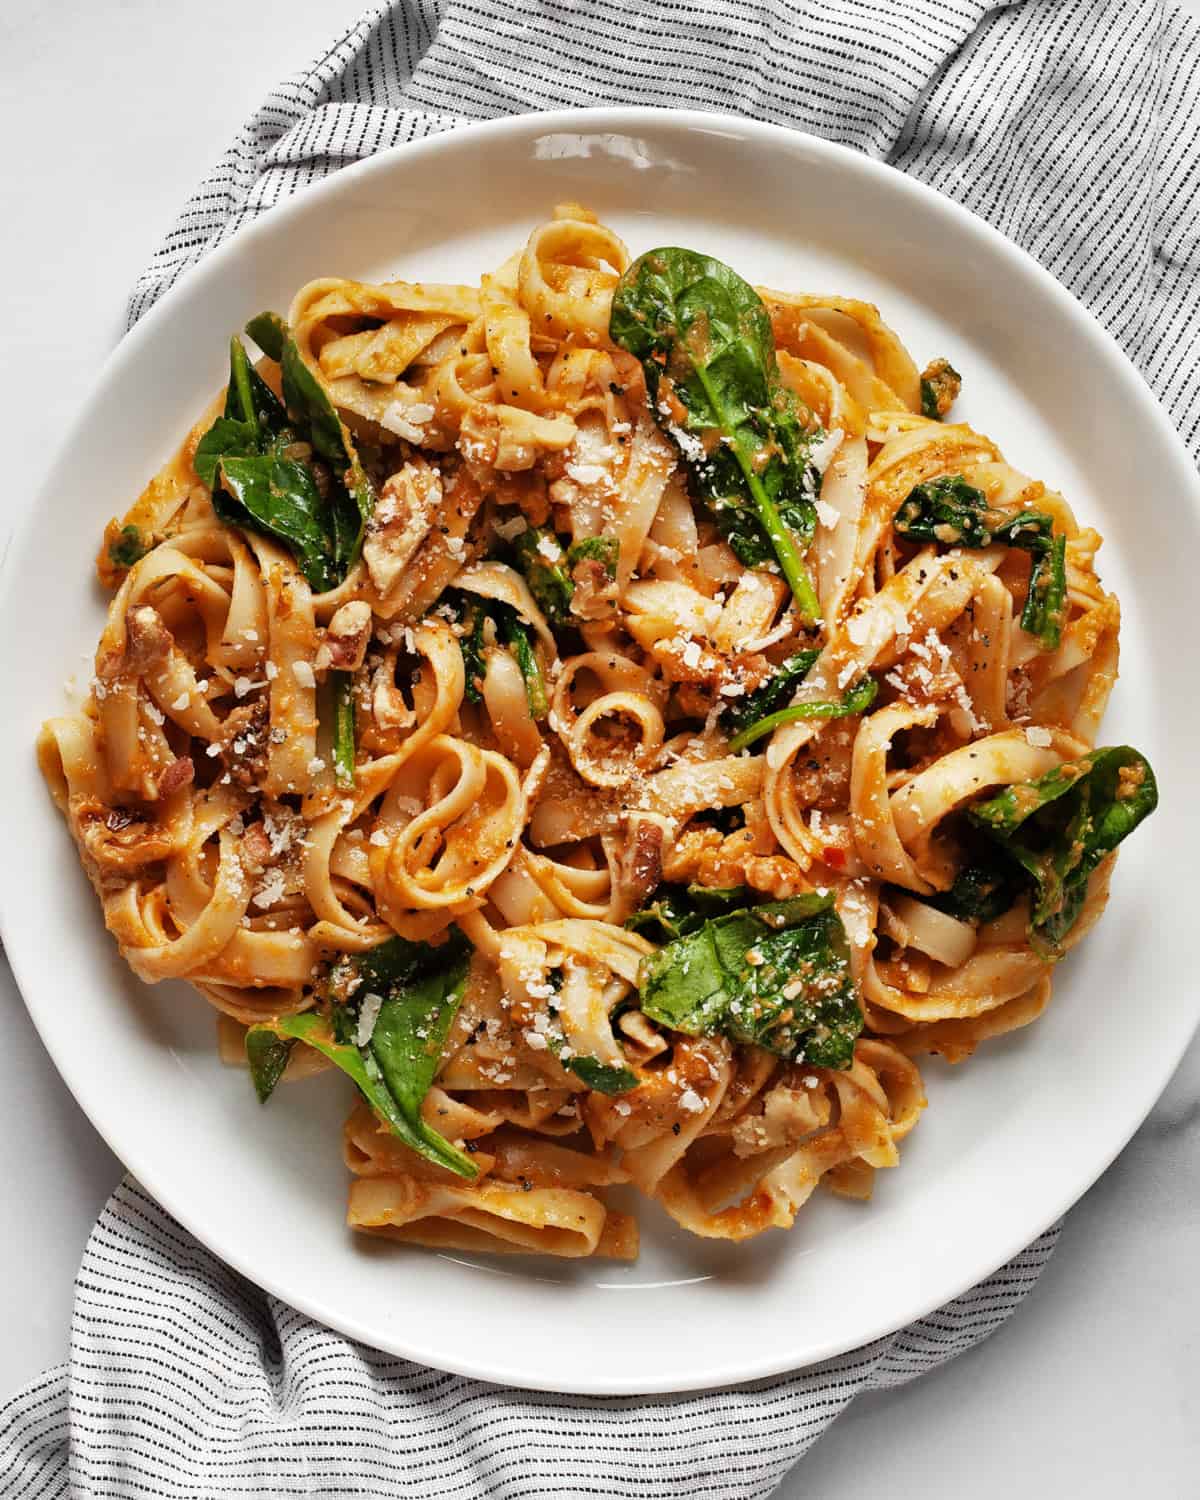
(1009, 1141)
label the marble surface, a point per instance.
(111, 110)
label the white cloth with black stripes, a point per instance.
(1071, 125)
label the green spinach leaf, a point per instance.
(787, 677)
(248, 459)
(406, 1046)
(227, 437)
(270, 333)
(128, 548)
(775, 976)
(471, 644)
(670, 915)
(397, 1065)
(954, 513)
(1059, 827)
(543, 560)
(343, 727)
(397, 961)
(352, 495)
(548, 566)
(606, 550)
(278, 496)
(267, 1055)
(981, 891)
(704, 341)
(856, 700)
(940, 386)
(602, 1078)
(512, 632)
(677, 910)
(516, 637)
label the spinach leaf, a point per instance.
(678, 910)
(398, 961)
(856, 700)
(547, 566)
(1059, 827)
(269, 411)
(406, 1046)
(1045, 607)
(278, 496)
(773, 693)
(252, 418)
(343, 727)
(940, 385)
(605, 550)
(395, 1068)
(239, 430)
(704, 341)
(352, 496)
(246, 458)
(128, 548)
(602, 1078)
(248, 397)
(670, 915)
(776, 976)
(267, 1055)
(470, 612)
(270, 333)
(543, 560)
(954, 513)
(227, 437)
(516, 637)
(362, 1066)
(716, 900)
(981, 891)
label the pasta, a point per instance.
(615, 717)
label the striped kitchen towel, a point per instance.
(1071, 126)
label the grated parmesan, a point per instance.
(368, 1014)
(827, 514)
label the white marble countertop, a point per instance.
(111, 110)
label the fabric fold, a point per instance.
(186, 1380)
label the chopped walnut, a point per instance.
(244, 743)
(709, 857)
(255, 849)
(147, 642)
(346, 638)
(180, 773)
(407, 507)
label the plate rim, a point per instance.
(614, 120)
